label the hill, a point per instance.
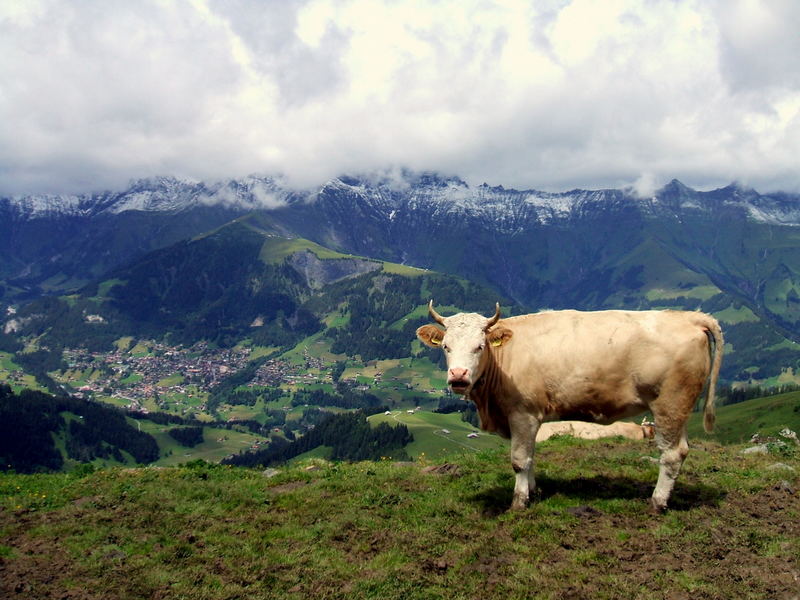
(212, 312)
(382, 530)
(737, 423)
(245, 281)
(438, 435)
(40, 432)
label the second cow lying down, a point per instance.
(587, 366)
(593, 431)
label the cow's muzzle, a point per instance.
(458, 380)
(459, 387)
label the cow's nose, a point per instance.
(457, 374)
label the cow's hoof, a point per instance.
(519, 504)
(657, 507)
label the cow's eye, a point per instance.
(480, 348)
(445, 347)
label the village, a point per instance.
(163, 369)
(159, 370)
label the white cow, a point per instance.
(587, 366)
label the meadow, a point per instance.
(394, 531)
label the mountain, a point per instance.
(37, 430)
(576, 248)
(732, 251)
(245, 280)
(54, 243)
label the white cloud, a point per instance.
(645, 186)
(550, 94)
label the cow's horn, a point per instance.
(496, 316)
(435, 315)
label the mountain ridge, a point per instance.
(170, 194)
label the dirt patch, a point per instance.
(37, 569)
(362, 544)
(749, 545)
(444, 469)
(285, 488)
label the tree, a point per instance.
(187, 436)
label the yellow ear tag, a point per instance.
(435, 341)
(497, 342)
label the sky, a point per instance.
(541, 94)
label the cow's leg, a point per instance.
(674, 448)
(671, 412)
(523, 437)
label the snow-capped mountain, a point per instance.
(430, 193)
(156, 194)
(530, 244)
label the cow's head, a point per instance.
(465, 340)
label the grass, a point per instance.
(123, 343)
(737, 423)
(430, 440)
(733, 315)
(141, 348)
(699, 292)
(275, 250)
(171, 380)
(104, 287)
(259, 351)
(217, 443)
(403, 270)
(18, 382)
(132, 378)
(381, 530)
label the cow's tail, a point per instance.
(713, 330)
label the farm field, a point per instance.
(217, 443)
(19, 381)
(430, 438)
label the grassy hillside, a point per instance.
(738, 422)
(243, 285)
(735, 424)
(437, 435)
(381, 530)
(217, 444)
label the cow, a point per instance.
(594, 431)
(586, 366)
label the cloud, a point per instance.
(645, 186)
(544, 94)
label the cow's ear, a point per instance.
(430, 335)
(499, 336)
